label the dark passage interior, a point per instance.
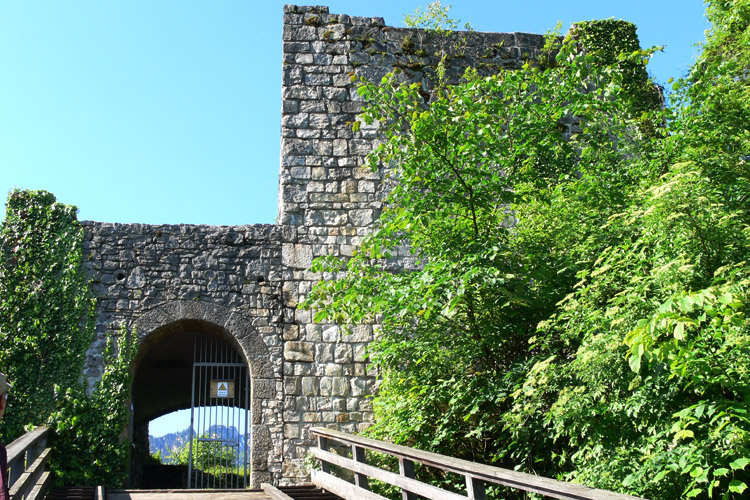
(163, 382)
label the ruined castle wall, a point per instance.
(328, 201)
(153, 276)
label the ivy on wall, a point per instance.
(46, 326)
(606, 40)
(46, 309)
(91, 447)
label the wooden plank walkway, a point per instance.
(186, 494)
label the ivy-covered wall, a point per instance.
(606, 39)
(46, 326)
(46, 310)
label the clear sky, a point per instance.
(169, 111)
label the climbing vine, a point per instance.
(46, 326)
(91, 448)
(46, 309)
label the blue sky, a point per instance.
(169, 111)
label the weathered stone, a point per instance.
(297, 256)
(309, 386)
(298, 351)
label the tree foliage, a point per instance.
(575, 303)
(211, 456)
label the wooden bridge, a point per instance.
(345, 473)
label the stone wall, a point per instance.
(137, 267)
(160, 279)
(327, 202)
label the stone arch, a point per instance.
(235, 324)
(172, 319)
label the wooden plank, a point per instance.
(339, 487)
(520, 480)
(186, 494)
(18, 448)
(100, 494)
(358, 454)
(274, 493)
(323, 445)
(417, 488)
(406, 469)
(27, 480)
(41, 487)
(475, 488)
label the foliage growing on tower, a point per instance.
(46, 309)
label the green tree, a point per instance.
(492, 197)
(577, 304)
(209, 456)
(655, 395)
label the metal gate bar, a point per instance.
(218, 448)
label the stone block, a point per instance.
(319, 120)
(309, 386)
(296, 256)
(312, 417)
(327, 217)
(359, 387)
(290, 47)
(340, 147)
(339, 386)
(343, 353)
(292, 386)
(333, 369)
(292, 431)
(317, 79)
(330, 333)
(361, 217)
(326, 386)
(290, 332)
(299, 351)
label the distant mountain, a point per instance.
(169, 443)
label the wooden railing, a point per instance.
(476, 475)
(27, 458)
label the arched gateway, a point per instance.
(204, 357)
(241, 285)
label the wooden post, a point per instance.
(358, 454)
(17, 468)
(475, 488)
(324, 445)
(406, 468)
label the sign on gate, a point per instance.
(222, 388)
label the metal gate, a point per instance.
(219, 417)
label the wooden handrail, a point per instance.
(476, 475)
(27, 459)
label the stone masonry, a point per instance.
(245, 281)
